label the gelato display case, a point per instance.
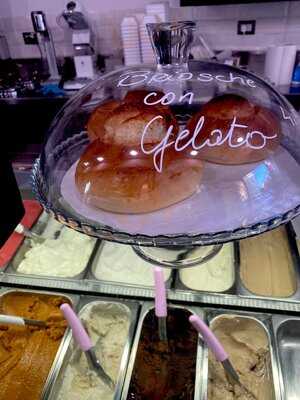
(189, 166)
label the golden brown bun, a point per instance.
(126, 123)
(123, 122)
(219, 114)
(95, 125)
(108, 177)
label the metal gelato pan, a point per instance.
(217, 275)
(39, 344)
(283, 281)
(42, 227)
(160, 359)
(253, 355)
(72, 377)
(287, 331)
(118, 265)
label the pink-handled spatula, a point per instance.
(84, 342)
(160, 303)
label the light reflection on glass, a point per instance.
(261, 174)
(87, 187)
(243, 191)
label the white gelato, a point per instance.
(216, 275)
(108, 326)
(119, 263)
(64, 257)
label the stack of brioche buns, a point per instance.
(114, 173)
(117, 174)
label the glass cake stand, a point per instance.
(231, 140)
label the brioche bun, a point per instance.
(219, 114)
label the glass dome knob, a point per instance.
(171, 43)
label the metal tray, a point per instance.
(74, 299)
(54, 384)
(114, 284)
(147, 306)
(39, 227)
(287, 333)
(231, 290)
(265, 321)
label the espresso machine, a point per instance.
(82, 41)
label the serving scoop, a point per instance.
(219, 352)
(22, 230)
(84, 342)
(13, 320)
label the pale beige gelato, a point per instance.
(64, 257)
(119, 263)
(266, 264)
(216, 275)
(108, 327)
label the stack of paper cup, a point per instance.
(161, 10)
(287, 65)
(279, 64)
(131, 41)
(146, 48)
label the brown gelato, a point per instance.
(27, 353)
(165, 371)
(246, 343)
(266, 264)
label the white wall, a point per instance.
(276, 23)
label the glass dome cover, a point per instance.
(178, 154)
